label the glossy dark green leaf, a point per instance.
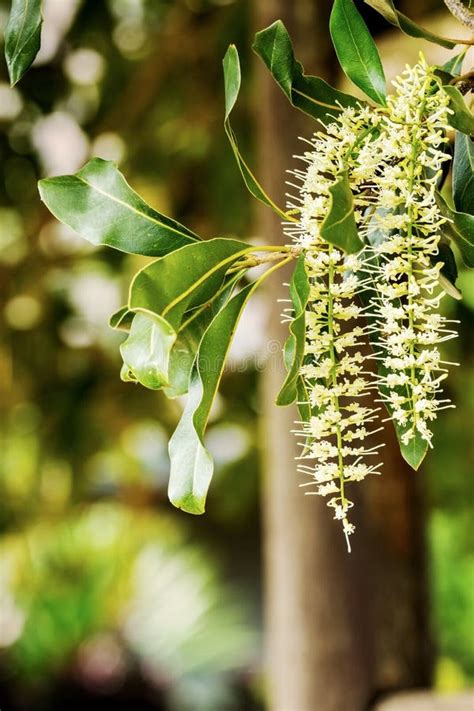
(232, 81)
(387, 9)
(461, 119)
(185, 278)
(463, 174)
(22, 37)
(310, 94)
(295, 345)
(100, 206)
(146, 352)
(460, 229)
(356, 50)
(339, 227)
(191, 464)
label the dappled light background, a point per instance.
(108, 595)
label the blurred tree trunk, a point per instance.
(340, 629)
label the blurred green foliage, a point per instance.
(94, 562)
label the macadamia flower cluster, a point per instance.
(387, 294)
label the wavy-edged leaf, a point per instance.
(121, 320)
(339, 227)
(460, 229)
(191, 464)
(310, 94)
(356, 50)
(146, 351)
(22, 37)
(232, 81)
(295, 345)
(463, 174)
(101, 207)
(387, 9)
(185, 278)
(461, 119)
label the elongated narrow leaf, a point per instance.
(190, 335)
(463, 174)
(356, 50)
(191, 464)
(461, 119)
(22, 37)
(295, 345)
(232, 87)
(460, 229)
(100, 206)
(184, 279)
(310, 94)
(146, 352)
(339, 227)
(387, 9)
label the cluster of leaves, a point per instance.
(184, 307)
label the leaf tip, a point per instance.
(189, 503)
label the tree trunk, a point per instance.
(340, 628)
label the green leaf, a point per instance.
(387, 9)
(461, 119)
(146, 351)
(453, 66)
(22, 37)
(356, 50)
(99, 205)
(122, 319)
(184, 350)
(310, 94)
(463, 174)
(232, 87)
(191, 464)
(339, 226)
(304, 407)
(449, 270)
(460, 229)
(295, 345)
(415, 451)
(185, 278)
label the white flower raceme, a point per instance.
(393, 157)
(406, 230)
(334, 370)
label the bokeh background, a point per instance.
(109, 596)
